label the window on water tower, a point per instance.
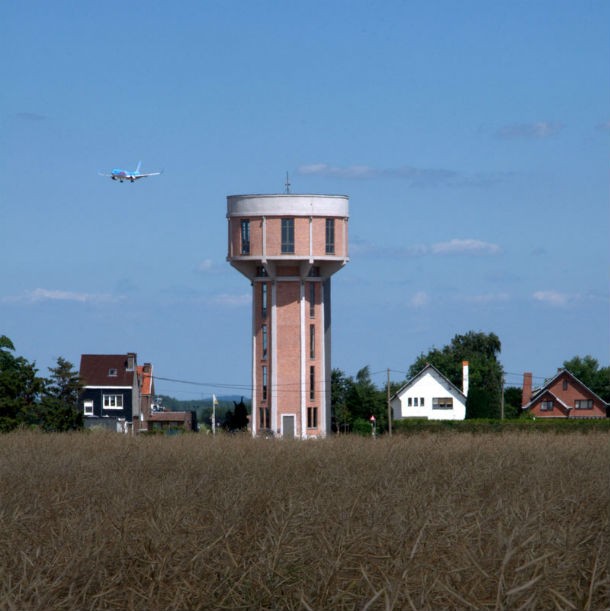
(312, 299)
(263, 418)
(312, 341)
(264, 300)
(265, 340)
(312, 382)
(245, 237)
(264, 394)
(312, 417)
(287, 236)
(330, 236)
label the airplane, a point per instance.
(132, 176)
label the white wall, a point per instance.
(429, 386)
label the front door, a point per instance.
(288, 426)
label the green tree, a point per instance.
(588, 371)
(59, 410)
(364, 400)
(512, 402)
(481, 350)
(20, 388)
(340, 386)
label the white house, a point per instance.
(432, 396)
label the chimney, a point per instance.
(131, 361)
(526, 396)
(465, 378)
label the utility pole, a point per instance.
(389, 407)
(502, 400)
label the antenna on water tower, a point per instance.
(287, 185)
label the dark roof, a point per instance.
(106, 370)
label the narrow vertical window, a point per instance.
(287, 236)
(312, 382)
(312, 341)
(330, 236)
(312, 417)
(264, 383)
(264, 300)
(264, 333)
(312, 299)
(245, 237)
(263, 418)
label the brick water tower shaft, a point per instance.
(289, 246)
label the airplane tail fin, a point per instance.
(139, 165)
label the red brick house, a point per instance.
(564, 396)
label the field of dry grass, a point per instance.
(101, 521)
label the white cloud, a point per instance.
(487, 298)
(205, 265)
(468, 246)
(604, 127)
(419, 300)
(232, 300)
(323, 169)
(529, 131)
(39, 295)
(417, 177)
(553, 298)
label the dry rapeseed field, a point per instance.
(447, 521)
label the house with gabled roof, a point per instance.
(111, 390)
(432, 396)
(563, 396)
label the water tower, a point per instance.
(289, 246)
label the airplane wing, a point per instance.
(147, 175)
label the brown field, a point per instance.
(451, 521)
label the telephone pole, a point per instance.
(389, 407)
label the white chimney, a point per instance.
(465, 378)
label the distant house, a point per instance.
(564, 396)
(111, 393)
(119, 395)
(431, 395)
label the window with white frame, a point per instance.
(113, 401)
(88, 408)
(442, 403)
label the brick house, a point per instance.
(111, 392)
(564, 396)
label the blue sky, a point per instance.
(471, 137)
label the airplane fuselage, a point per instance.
(122, 175)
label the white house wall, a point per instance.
(429, 386)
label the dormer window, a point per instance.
(112, 373)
